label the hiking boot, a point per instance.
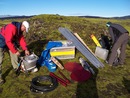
(121, 65)
(1, 81)
(113, 66)
(110, 65)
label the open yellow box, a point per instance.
(64, 52)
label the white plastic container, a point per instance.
(30, 61)
(101, 53)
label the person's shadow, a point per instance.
(37, 47)
(87, 89)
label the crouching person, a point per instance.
(9, 34)
(120, 38)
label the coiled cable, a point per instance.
(37, 87)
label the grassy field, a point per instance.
(108, 82)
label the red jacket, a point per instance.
(12, 32)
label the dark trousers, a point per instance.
(120, 43)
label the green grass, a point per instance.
(106, 83)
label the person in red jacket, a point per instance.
(9, 35)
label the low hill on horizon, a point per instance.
(24, 16)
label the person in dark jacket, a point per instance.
(9, 34)
(119, 36)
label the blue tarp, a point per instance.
(44, 59)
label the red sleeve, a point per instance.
(22, 42)
(10, 31)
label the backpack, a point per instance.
(2, 41)
(105, 42)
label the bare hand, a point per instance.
(17, 53)
(27, 52)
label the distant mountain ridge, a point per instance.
(15, 16)
(122, 17)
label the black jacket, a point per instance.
(115, 31)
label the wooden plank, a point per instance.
(57, 62)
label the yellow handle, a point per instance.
(95, 40)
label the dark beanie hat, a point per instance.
(109, 23)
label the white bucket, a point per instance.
(101, 53)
